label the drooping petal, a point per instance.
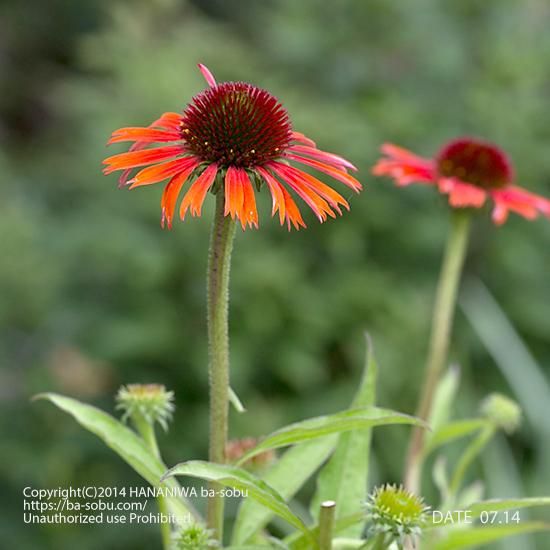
(249, 212)
(208, 76)
(400, 153)
(134, 159)
(319, 206)
(340, 175)
(329, 158)
(300, 138)
(159, 172)
(123, 179)
(317, 186)
(403, 166)
(146, 135)
(170, 195)
(292, 211)
(462, 194)
(276, 193)
(168, 121)
(520, 201)
(234, 195)
(194, 198)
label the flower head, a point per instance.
(502, 411)
(150, 402)
(469, 171)
(396, 512)
(231, 138)
(194, 537)
(236, 448)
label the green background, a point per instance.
(93, 294)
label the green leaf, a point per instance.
(286, 476)
(237, 478)
(470, 538)
(443, 399)
(124, 441)
(470, 493)
(236, 402)
(348, 544)
(355, 419)
(344, 478)
(454, 430)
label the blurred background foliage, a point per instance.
(94, 294)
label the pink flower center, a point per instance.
(236, 124)
(476, 162)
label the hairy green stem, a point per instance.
(442, 321)
(219, 260)
(469, 455)
(147, 432)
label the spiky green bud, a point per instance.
(396, 513)
(194, 537)
(149, 402)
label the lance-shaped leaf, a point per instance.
(354, 419)
(286, 476)
(237, 478)
(124, 441)
(344, 478)
(454, 430)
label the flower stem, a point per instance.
(326, 524)
(442, 320)
(219, 260)
(469, 455)
(147, 432)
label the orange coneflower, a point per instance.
(468, 170)
(231, 138)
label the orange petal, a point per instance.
(159, 172)
(462, 194)
(133, 159)
(249, 213)
(147, 135)
(234, 195)
(170, 195)
(319, 206)
(520, 201)
(331, 158)
(276, 193)
(329, 194)
(208, 76)
(298, 136)
(194, 198)
(292, 211)
(400, 153)
(340, 175)
(169, 121)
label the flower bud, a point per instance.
(396, 513)
(149, 402)
(194, 537)
(236, 448)
(502, 411)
